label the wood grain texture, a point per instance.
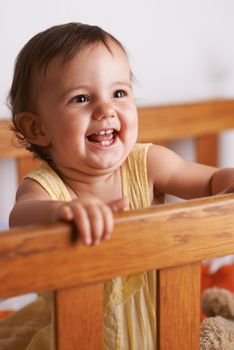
(178, 307)
(44, 258)
(79, 318)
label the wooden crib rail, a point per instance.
(154, 238)
(172, 239)
(172, 122)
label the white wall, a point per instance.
(179, 50)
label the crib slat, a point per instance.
(207, 150)
(79, 317)
(178, 308)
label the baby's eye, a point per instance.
(119, 93)
(80, 99)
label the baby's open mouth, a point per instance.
(103, 137)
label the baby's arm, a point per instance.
(170, 174)
(92, 217)
(223, 181)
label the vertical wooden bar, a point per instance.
(207, 150)
(79, 318)
(178, 308)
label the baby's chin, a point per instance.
(104, 169)
(95, 163)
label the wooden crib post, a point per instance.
(207, 150)
(79, 317)
(178, 308)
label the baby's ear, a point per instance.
(30, 126)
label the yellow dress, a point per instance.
(130, 302)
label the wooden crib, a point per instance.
(172, 239)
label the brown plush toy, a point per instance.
(217, 330)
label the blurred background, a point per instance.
(179, 51)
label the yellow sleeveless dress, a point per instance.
(130, 302)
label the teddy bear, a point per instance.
(217, 329)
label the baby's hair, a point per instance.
(65, 41)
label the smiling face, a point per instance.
(87, 111)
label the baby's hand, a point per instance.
(92, 217)
(229, 189)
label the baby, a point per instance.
(73, 106)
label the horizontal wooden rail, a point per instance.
(9, 146)
(165, 123)
(169, 235)
(157, 124)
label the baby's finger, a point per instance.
(119, 205)
(65, 213)
(61, 212)
(96, 222)
(108, 221)
(81, 220)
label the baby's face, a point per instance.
(87, 110)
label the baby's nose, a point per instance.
(104, 111)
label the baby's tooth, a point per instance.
(105, 132)
(105, 143)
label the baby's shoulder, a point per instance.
(160, 155)
(161, 162)
(30, 189)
